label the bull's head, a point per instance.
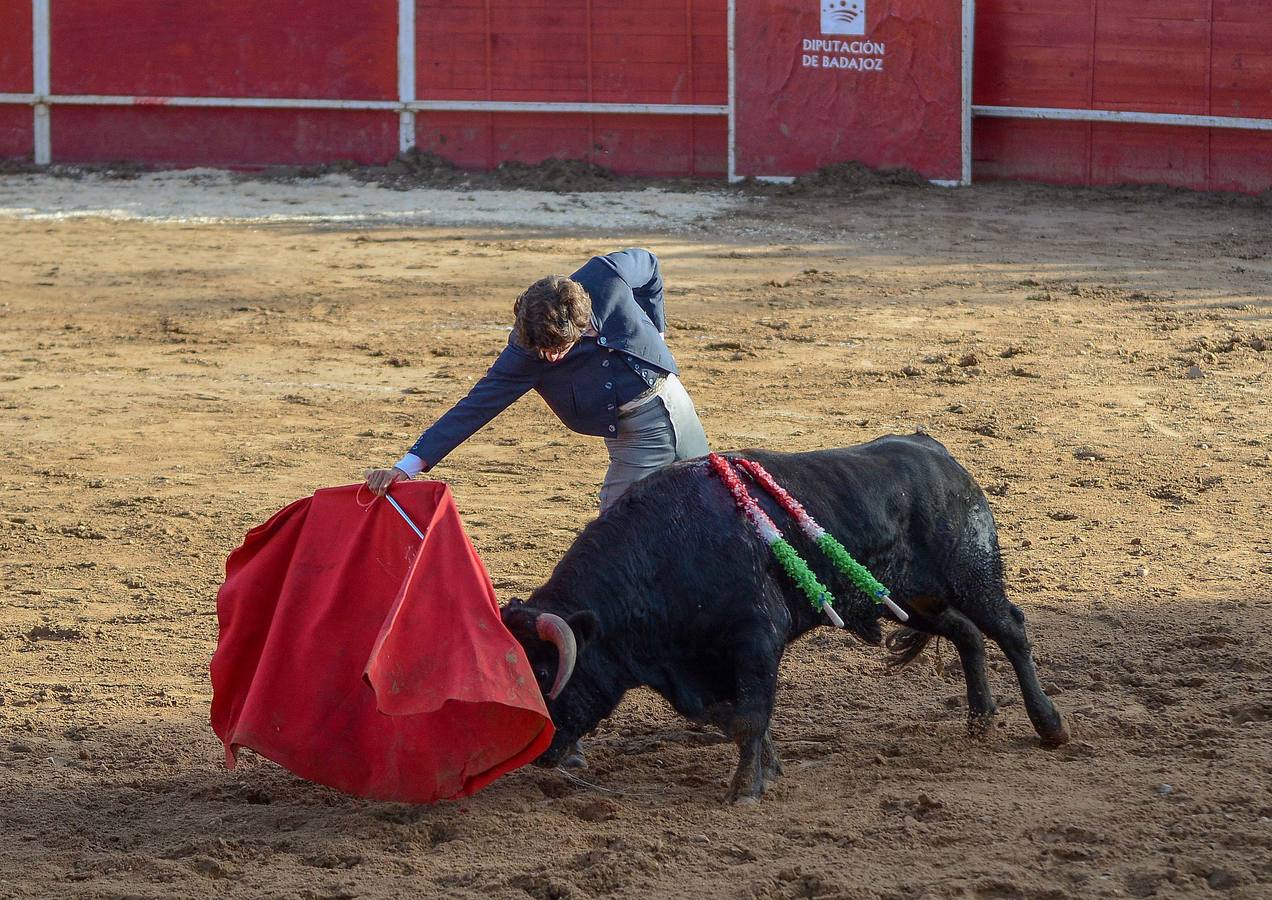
(553, 645)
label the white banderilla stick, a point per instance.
(402, 513)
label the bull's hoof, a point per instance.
(980, 727)
(574, 758)
(745, 795)
(1056, 737)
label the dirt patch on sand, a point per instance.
(1099, 362)
(415, 169)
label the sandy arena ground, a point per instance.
(1100, 361)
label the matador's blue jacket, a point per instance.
(597, 376)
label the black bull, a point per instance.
(672, 589)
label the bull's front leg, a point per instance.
(770, 761)
(756, 679)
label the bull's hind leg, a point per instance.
(907, 644)
(1004, 623)
(966, 638)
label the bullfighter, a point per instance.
(592, 345)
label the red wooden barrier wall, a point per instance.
(597, 51)
(1197, 57)
(16, 129)
(226, 48)
(1204, 57)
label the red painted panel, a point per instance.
(538, 50)
(710, 17)
(658, 72)
(1157, 9)
(640, 16)
(1070, 8)
(802, 105)
(1033, 76)
(464, 138)
(629, 144)
(1066, 25)
(15, 48)
(645, 145)
(1026, 56)
(709, 30)
(1152, 56)
(534, 137)
(1240, 160)
(450, 50)
(710, 35)
(452, 67)
(1031, 149)
(17, 133)
(639, 52)
(710, 146)
(1149, 154)
(225, 48)
(1241, 77)
(1152, 64)
(1251, 12)
(221, 137)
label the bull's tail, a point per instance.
(904, 646)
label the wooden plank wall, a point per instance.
(16, 128)
(603, 51)
(1208, 57)
(228, 48)
(1198, 57)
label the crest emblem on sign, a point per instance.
(843, 16)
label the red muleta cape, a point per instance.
(360, 658)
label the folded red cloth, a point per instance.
(359, 657)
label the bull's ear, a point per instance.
(586, 627)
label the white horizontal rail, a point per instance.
(217, 102)
(665, 109)
(1114, 115)
(662, 109)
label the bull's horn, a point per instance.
(558, 632)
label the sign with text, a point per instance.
(880, 82)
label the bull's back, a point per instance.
(900, 504)
(868, 490)
(883, 468)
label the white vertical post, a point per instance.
(41, 81)
(969, 47)
(406, 73)
(733, 117)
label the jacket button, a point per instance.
(610, 406)
(604, 363)
(601, 341)
(611, 428)
(609, 385)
